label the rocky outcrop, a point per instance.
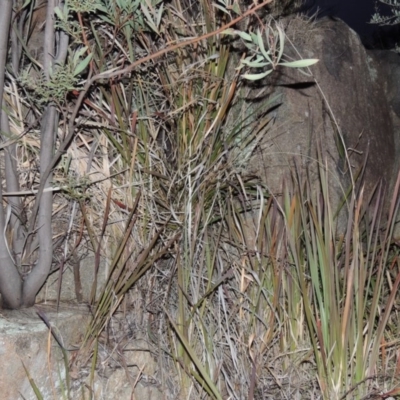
(28, 351)
(30, 356)
(385, 67)
(344, 96)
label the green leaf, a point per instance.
(254, 38)
(106, 19)
(79, 53)
(32, 383)
(262, 48)
(149, 19)
(236, 9)
(159, 15)
(281, 41)
(260, 43)
(300, 63)
(83, 64)
(223, 9)
(101, 8)
(256, 63)
(244, 36)
(257, 77)
(228, 31)
(59, 13)
(251, 46)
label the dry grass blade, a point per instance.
(211, 386)
(33, 384)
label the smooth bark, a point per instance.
(12, 185)
(39, 274)
(10, 280)
(16, 292)
(34, 281)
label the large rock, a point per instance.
(344, 97)
(124, 369)
(25, 342)
(385, 67)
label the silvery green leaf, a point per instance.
(254, 38)
(300, 63)
(79, 53)
(236, 8)
(281, 41)
(244, 36)
(159, 14)
(148, 17)
(251, 46)
(59, 13)
(223, 9)
(262, 48)
(257, 77)
(83, 64)
(228, 31)
(101, 8)
(250, 58)
(256, 63)
(260, 43)
(106, 19)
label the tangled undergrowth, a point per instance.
(239, 293)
